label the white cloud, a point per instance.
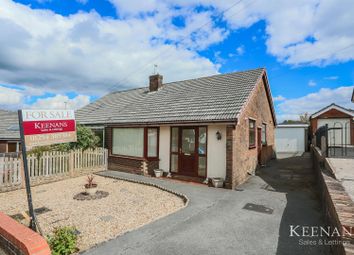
(332, 78)
(10, 96)
(292, 108)
(240, 50)
(90, 53)
(279, 98)
(87, 52)
(60, 102)
(312, 83)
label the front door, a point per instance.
(188, 151)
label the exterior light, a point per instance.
(218, 135)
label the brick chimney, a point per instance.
(155, 82)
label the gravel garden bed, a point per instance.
(127, 207)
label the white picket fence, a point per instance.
(10, 170)
(51, 164)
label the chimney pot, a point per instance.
(155, 82)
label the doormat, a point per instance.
(258, 208)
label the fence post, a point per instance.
(71, 163)
(22, 171)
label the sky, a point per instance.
(68, 53)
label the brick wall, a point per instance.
(337, 205)
(245, 160)
(17, 239)
(230, 145)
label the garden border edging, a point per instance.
(182, 196)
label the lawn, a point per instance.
(127, 207)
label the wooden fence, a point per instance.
(52, 163)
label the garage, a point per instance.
(291, 140)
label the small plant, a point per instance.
(90, 183)
(63, 241)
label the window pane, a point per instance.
(252, 132)
(128, 141)
(188, 141)
(174, 163)
(174, 142)
(152, 142)
(264, 133)
(202, 141)
(202, 166)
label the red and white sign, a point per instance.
(45, 127)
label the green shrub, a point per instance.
(63, 241)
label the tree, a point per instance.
(86, 139)
(305, 117)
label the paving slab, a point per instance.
(344, 172)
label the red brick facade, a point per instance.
(242, 160)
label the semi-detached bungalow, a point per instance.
(217, 126)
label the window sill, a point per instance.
(252, 147)
(135, 158)
(127, 157)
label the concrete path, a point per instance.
(215, 222)
(344, 172)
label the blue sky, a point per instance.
(75, 51)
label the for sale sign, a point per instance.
(45, 127)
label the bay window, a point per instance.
(135, 142)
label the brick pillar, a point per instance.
(229, 155)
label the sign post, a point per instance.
(40, 128)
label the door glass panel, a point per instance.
(202, 141)
(188, 141)
(174, 138)
(174, 163)
(202, 166)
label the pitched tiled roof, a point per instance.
(9, 125)
(333, 106)
(207, 99)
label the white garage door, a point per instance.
(336, 137)
(290, 140)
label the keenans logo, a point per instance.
(320, 231)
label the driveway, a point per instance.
(215, 222)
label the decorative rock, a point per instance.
(84, 196)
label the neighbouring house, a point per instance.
(217, 126)
(340, 121)
(291, 139)
(9, 132)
